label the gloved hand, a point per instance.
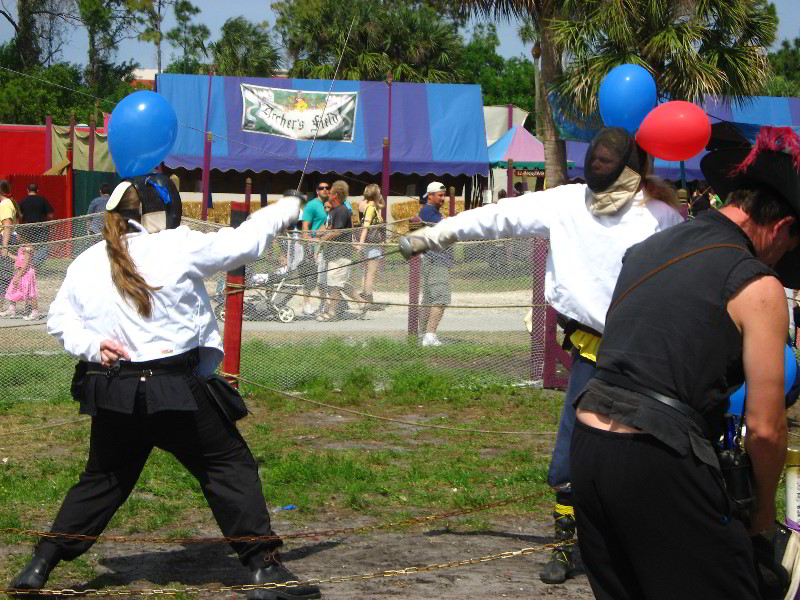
(420, 241)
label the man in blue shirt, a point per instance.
(314, 217)
(435, 269)
(98, 205)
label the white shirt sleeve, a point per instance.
(666, 216)
(229, 248)
(520, 217)
(64, 323)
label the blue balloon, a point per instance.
(789, 368)
(625, 97)
(142, 131)
(736, 401)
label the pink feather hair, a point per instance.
(776, 139)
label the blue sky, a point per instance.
(214, 13)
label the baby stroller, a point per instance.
(266, 295)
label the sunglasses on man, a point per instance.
(323, 187)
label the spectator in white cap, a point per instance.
(435, 269)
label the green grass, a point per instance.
(344, 466)
(400, 364)
(35, 378)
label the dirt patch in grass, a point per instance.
(214, 565)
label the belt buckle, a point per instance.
(113, 370)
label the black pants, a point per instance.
(653, 524)
(209, 446)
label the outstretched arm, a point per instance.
(229, 248)
(524, 216)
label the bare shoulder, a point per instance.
(760, 302)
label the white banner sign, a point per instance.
(298, 114)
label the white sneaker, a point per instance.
(308, 309)
(9, 313)
(33, 316)
(430, 339)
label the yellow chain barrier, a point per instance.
(272, 586)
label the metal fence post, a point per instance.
(538, 352)
(413, 296)
(234, 305)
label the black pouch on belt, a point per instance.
(737, 473)
(227, 397)
(78, 379)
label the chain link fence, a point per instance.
(287, 344)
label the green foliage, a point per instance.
(411, 40)
(29, 101)
(785, 63)
(503, 81)
(188, 37)
(106, 22)
(692, 49)
(778, 85)
(245, 49)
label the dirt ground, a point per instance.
(172, 565)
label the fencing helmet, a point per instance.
(613, 169)
(159, 198)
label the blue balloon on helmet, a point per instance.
(625, 97)
(142, 131)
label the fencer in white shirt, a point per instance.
(590, 226)
(135, 311)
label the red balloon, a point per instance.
(674, 131)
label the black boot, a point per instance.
(557, 569)
(273, 571)
(35, 574)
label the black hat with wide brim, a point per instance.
(772, 170)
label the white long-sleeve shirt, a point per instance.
(586, 251)
(88, 308)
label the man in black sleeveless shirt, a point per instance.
(697, 310)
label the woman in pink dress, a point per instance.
(23, 286)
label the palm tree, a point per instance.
(692, 49)
(413, 42)
(537, 13)
(245, 49)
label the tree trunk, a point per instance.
(158, 50)
(555, 150)
(92, 56)
(159, 20)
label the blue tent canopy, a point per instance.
(436, 128)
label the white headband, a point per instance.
(116, 195)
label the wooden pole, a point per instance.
(206, 176)
(452, 204)
(207, 154)
(92, 129)
(387, 149)
(248, 189)
(48, 142)
(510, 183)
(234, 306)
(70, 155)
(385, 178)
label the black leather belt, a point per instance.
(174, 364)
(625, 383)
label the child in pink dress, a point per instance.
(23, 286)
